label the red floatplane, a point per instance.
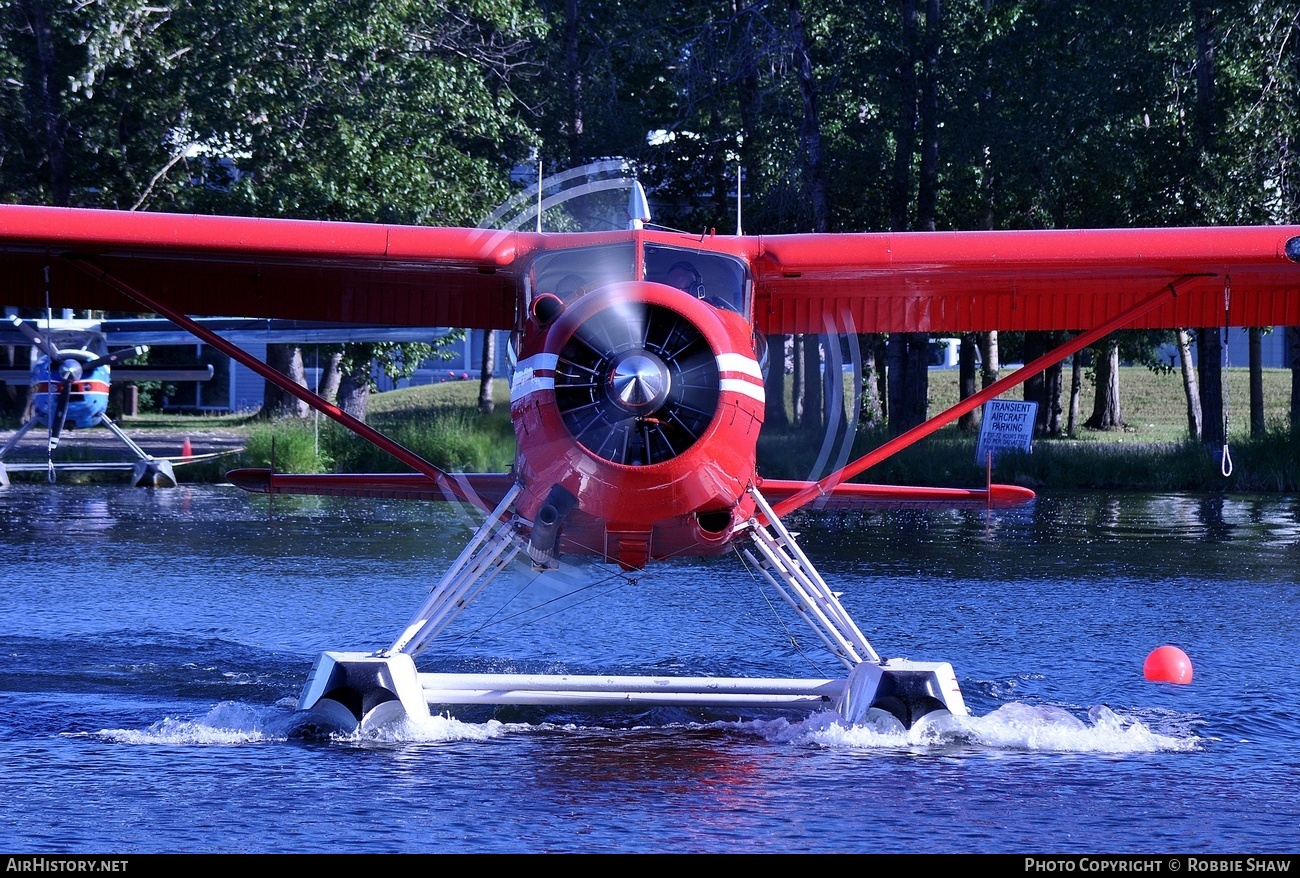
(638, 392)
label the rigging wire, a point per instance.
(1225, 459)
(782, 624)
(620, 580)
(497, 617)
(50, 404)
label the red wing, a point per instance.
(410, 276)
(241, 266)
(1026, 280)
(852, 496)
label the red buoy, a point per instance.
(1168, 664)
(186, 449)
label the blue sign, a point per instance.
(1006, 426)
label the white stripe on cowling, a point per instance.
(739, 363)
(736, 385)
(520, 389)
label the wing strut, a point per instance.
(365, 431)
(903, 440)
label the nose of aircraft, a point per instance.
(640, 382)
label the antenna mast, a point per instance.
(739, 226)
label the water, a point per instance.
(153, 644)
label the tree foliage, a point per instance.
(87, 103)
(363, 110)
(1051, 113)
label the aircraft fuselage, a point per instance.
(637, 400)
(88, 399)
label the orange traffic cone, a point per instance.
(186, 449)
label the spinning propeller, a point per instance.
(636, 383)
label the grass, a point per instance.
(242, 422)
(441, 423)
(1152, 452)
(1152, 405)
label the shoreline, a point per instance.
(1267, 465)
(99, 443)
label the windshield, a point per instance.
(569, 273)
(722, 281)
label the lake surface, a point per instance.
(153, 643)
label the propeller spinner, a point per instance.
(637, 384)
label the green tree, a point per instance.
(397, 360)
(365, 110)
(359, 110)
(88, 102)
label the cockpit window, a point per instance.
(570, 273)
(722, 281)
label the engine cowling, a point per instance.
(644, 403)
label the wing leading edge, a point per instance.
(491, 487)
(469, 278)
(250, 267)
(851, 496)
(1027, 280)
